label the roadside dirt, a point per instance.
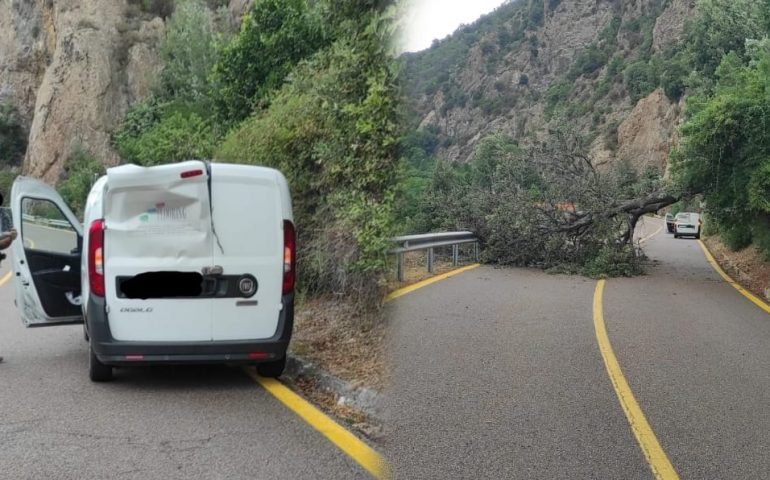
(341, 341)
(747, 266)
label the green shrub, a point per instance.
(188, 53)
(275, 35)
(177, 135)
(760, 234)
(673, 77)
(556, 94)
(640, 80)
(736, 237)
(81, 170)
(613, 261)
(6, 181)
(333, 130)
(590, 60)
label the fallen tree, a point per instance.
(550, 205)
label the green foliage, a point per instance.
(188, 53)
(616, 66)
(164, 134)
(81, 170)
(333, 130)
(723, 26)
(640, 79)
(590, 60)
(274, 37)
(725, 148)
(556, 94)
(6, 181)
(13, 140)
(673, 77)
(613, 261)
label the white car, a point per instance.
(687, 224)
(192, 262)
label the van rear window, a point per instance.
(162, 285)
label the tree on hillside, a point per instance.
(274, 36)
(188, 53)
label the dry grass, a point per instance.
(747, 266)
(339, 339)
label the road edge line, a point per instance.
(727, 278)
(354, 447)
(424, 283)
(5, 278)
(648, 442)
(652, 235)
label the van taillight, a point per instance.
(96, 257)
(289, 257)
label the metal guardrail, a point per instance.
(429, 241)
(46, 221)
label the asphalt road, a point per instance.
(170, 423)
(497, 373)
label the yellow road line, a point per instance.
(656, 457)
(758, 302)
(353, 446)
(5, 278)
(411, 288)
(651, 235)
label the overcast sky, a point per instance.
(429, 19)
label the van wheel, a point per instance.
(272, 369)
(697, 235)
(85, 333)
(676, 236)
(97, 371)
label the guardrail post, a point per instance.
(430, 260)
(455, 254)
(400, 267)
(476, 250)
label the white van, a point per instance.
(687, 224)
(186, 263)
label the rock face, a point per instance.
(503, 85)
(72, 69)
(645, 135)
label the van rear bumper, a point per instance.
(244, 352)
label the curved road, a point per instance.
(497, 373)
(170, 423)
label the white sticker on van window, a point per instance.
(163, 219)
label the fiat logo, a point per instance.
(247, 286)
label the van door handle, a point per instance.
(213, 271)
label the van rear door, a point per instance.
(46, 256)
(248, 219)
(158, 242)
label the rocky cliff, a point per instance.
(72, 69)
(532, 65)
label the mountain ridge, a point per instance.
(530, 66)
